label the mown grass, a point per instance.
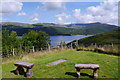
(108, 64)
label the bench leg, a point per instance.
(95, 75)
(29, 72)
(78, 72)
(19, 70)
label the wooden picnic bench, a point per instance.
(95, 67)
(20, 70)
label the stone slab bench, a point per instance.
(95, 67)
(20, 70)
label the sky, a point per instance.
(60, 12)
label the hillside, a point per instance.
(82, 24)
(16, 24)
(102, 39)
(57, 29)
(108, 64)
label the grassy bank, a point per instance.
(108, 64)
(106, 49)
(108, 42)
(111, 37)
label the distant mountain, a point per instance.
(47, 25)
(57, 29)
(16, 24)
(82, 24)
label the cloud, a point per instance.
(77, 14)
(62, 15)
(4, 19)
(10, 7)
(53, 5)
(21, 14)
(35, 19)
(62, 18)
(106, 12)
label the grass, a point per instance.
(108, 64)
(106, 49)
(107, 38)
(0, 72)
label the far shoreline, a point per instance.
(72, 35)
(63, 35)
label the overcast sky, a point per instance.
(60, 12)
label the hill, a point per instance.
(16, 24)
(102, 39)
(82, 24)
(57, 29)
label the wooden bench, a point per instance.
(95, 67)
(20, 70)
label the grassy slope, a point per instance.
(108, 64)
(102, 39)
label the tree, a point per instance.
(10, 42)
(38, 39)
(33, 39)
(5, 42)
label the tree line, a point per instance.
(30, 42)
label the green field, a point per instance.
(108, 64)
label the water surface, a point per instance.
(55, 40)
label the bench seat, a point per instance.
(24, 64)
(87, 66)
(20, 69)
(95, 67)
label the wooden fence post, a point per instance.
(48, 47)
(112, 45)
(71, 46)
(13, 52)
(95, 45)
(62, 45)
(33, 49)
(20, 48)
(41, 49)
(77, 43)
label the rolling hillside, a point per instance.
(102, 39)
(57, 29)
(16, 24)
(82, 24)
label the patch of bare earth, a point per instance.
(56, 62)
